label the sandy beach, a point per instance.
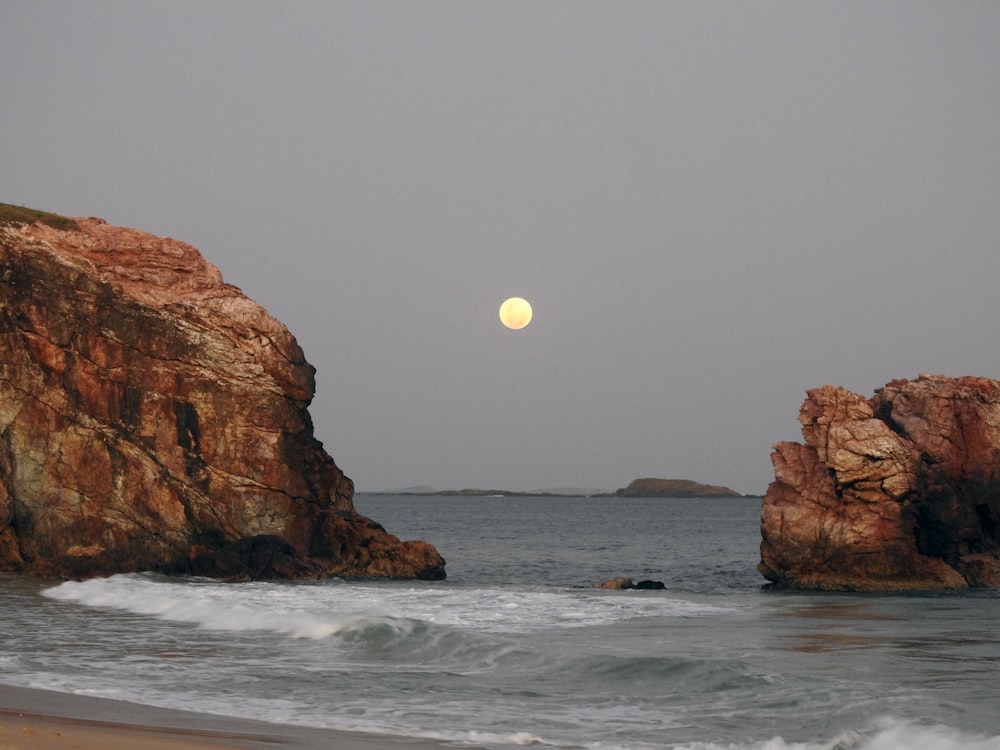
(45, 720)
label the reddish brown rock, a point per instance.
(615, 584)
(901, 491)
(153, 417)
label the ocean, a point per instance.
(516, 647)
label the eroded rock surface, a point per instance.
(900, 491)
(152, 417)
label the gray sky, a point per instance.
(712, 206)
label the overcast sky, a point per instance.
(712, 206)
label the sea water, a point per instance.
(517, 647)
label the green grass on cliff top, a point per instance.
(20, 215)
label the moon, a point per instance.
(515, 313)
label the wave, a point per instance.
(642, 674)
(350, 617)
(302, 610)
(885, 734)
(212, 610)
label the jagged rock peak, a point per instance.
(900, 491)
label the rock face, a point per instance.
(152, 417)
(901, 491)
(651, 487)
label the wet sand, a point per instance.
(45, 720)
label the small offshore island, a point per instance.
(651, 487)
(646, 487)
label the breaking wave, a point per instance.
(885, 734)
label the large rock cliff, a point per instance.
(153, 417)
(901, 491)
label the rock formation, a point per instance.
(153, 417)
(901, 491)
(626, 584)
(650, 487)
(615, 584)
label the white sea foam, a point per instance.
(886, 734)
(500, 656)
(320, 611)
(896, 735)
(213, 608)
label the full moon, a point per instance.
(515, 313)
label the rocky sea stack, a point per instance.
(900, 491)
(152, 417)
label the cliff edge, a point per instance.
(152, 417)
(901, 491)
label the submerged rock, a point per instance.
(152, 417)
(901, 491)
(650, 586)
(623, 584)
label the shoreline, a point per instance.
(35, 719)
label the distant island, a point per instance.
(474, 492)
(646, 487)
(652, 487)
